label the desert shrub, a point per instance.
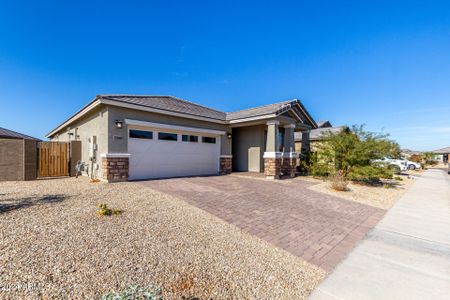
(338, 182)
(352, 153)
(104, 210)
(135, 292)
(318, 165)
(398, 178)
(416, 158)
(428, 160)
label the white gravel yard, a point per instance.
(52, 240)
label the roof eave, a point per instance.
(87, 108)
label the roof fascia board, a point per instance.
(313, 123)
(94, 103)
(269, 116)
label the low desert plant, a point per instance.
(135, 292)
(338, 182)
(104, 210)
(398, 178)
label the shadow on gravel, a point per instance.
(13, 204)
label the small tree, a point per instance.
(428, 160)
(351, 154)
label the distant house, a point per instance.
(307, 141)
(442, 154)
(17, 156)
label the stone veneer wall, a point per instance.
(289, 166)
(115, 168)
(226, 164)
(272, 167)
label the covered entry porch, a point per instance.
(266, 145)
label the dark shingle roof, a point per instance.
(325, 123)
(187, 108)
(168, 103)
(317, 134)
(9, 134)
(258, 111)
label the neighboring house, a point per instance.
(307, 141)
(18, 156)
(442, 154)
(407, 153)
(129, 137)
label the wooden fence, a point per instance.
(53, 158)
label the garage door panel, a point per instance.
(158, 159)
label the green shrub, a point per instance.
(398, 178)
(105, 211)
(352, 153)
(135, 292)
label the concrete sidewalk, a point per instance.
(406, 256)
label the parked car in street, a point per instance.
(411, 165)
(397, 165)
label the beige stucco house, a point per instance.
(131, 137)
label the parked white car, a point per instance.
(412, 165)
(399, 165)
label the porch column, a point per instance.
(289, 145)
(272, 158)
(289, 163)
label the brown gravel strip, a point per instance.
(52, 240)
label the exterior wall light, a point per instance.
(119, 124)
(229, 135)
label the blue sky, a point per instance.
(385, 64)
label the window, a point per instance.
(164, 136)
(189, 138)
(208, 140)
(141, 134)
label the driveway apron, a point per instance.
(318, 228)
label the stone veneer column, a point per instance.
(226, 164)
(115, 167)
(272, 166)
(289, 167)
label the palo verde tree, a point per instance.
(350, 153)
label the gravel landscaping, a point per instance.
(383, 196)
(53, 245)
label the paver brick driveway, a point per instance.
(320, 229)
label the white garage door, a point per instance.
(154, 153)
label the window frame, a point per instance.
(167, 134)
(141, 138)
(209, 137)
(189, 138)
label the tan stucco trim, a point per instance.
(269, 154)
(173, 127)
(115, 155)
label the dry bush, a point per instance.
(338, 182)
